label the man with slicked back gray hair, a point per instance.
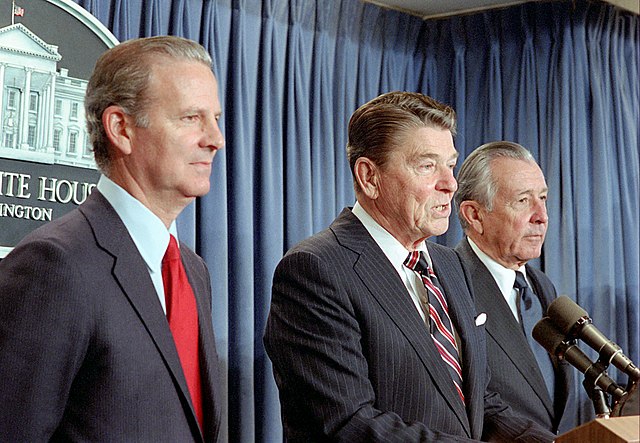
(105, 326)
(501, 203)
(365, 347)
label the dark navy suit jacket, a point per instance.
(86, 353)
(353, 359)
(514, 371)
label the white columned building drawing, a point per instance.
(41, 108)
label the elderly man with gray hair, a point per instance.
(501, 203)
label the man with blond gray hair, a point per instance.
(105, 326)
(501, 203)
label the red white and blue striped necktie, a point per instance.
(440, 325)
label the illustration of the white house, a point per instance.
(42, 108)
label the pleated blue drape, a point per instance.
(561, 78)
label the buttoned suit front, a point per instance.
(86, 350)
(514, 371)
(353, 359)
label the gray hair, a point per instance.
(377, 127)
(121, 77)
(475, 179)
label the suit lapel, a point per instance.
(130, 271)
(384, 284)
(502, 323)
(547, 293)
(209, 359)
(462, 313)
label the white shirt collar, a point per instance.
(148, 232)
(504, 277)
(394, 250)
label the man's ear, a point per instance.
(367, 176)
(117, 125)
(471, 211)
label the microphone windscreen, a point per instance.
(565, 313)
(545, 333)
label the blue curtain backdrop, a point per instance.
(561, 78)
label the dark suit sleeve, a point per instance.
(43, 338)
(314, 337)
(502, 424)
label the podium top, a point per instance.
(605, 430)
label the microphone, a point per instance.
(545, 333)
(574, 322)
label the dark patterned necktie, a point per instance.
(440, 325)
(182, 314)
(530, 311)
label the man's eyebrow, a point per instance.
(531, 191)
(434, 156)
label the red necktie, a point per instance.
(182, 314)
(440, 324)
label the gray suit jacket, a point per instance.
(86, 350)
(353, 359)
(514, 371)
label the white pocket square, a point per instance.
(481, 319)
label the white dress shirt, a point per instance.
(504, 278)
(396, 253)
(147, 231)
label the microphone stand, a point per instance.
(599, 399)
(591, 376)
(629, 404)
(595, 393)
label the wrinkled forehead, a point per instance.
(428, 141)
(518, 176)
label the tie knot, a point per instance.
(173, 251)
(523, 289)
(416, 261)
(520, 282)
